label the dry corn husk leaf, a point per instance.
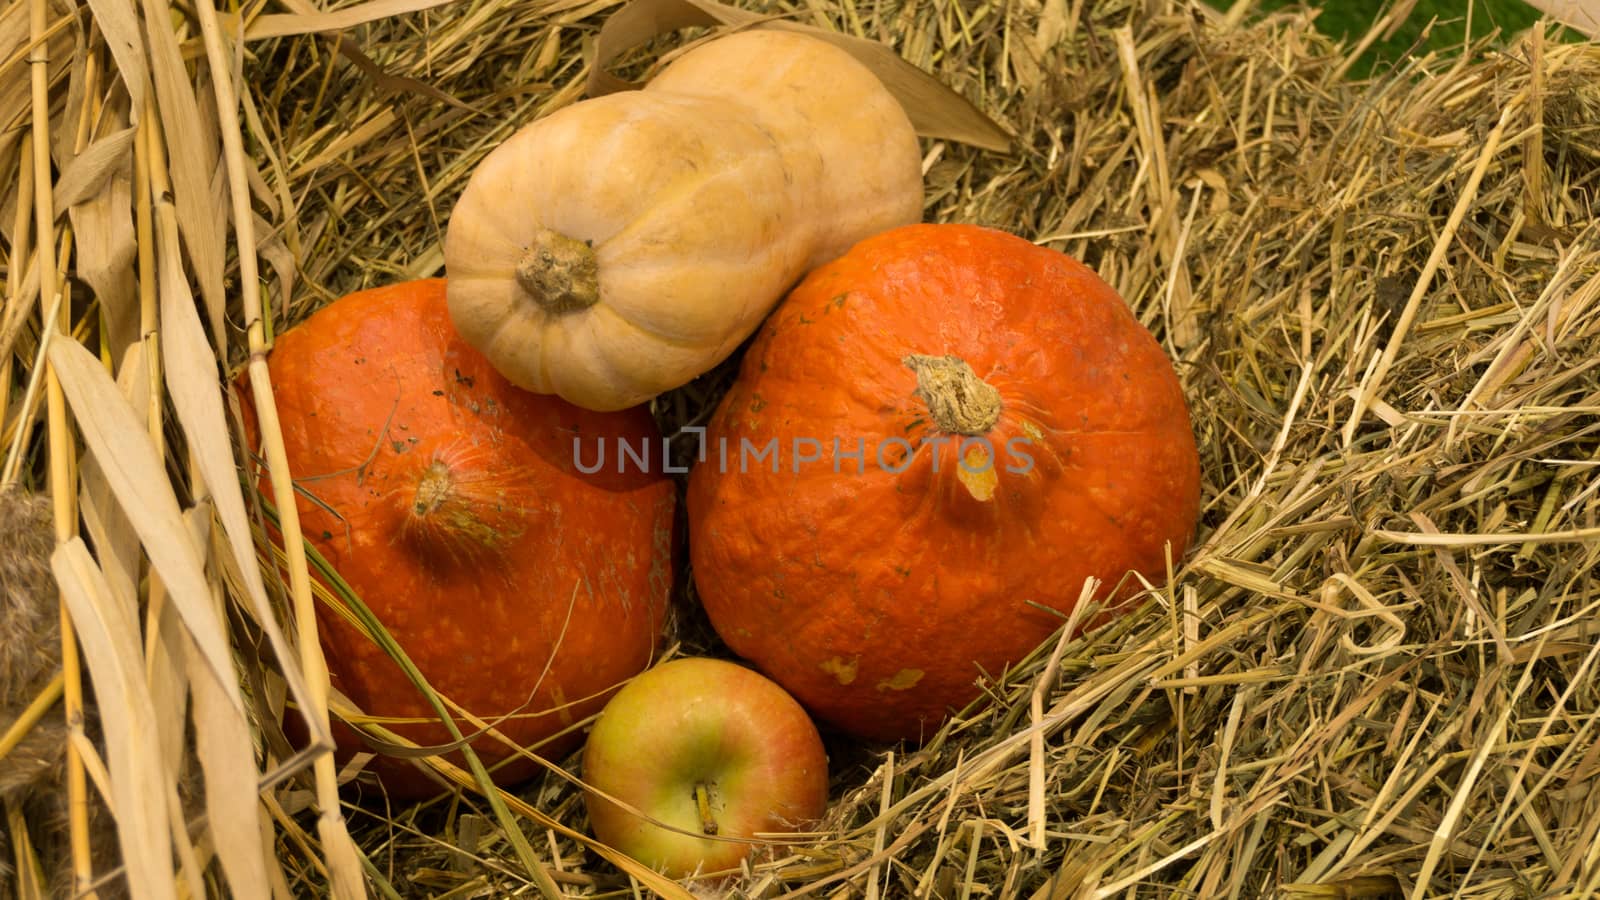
(223, 745)
(114, 434)
(191, 146)
(135, 763)
(116, 543)
(107, 247)
(193, 383)
(118, 22)
(934, 109)
(1583, 15)
(91, 170)
(310, 20)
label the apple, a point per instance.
(713, 750)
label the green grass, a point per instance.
(1350, 20)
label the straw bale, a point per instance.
(1374, 676)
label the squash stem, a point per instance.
(959, 402)
(559, 274)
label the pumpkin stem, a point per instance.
(558, 273)
(959, 402)
(458, 512)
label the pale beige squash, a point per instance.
(625, 244)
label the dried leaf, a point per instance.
(1579, 15)
(310, 20)
(18, 307)
(8, 193)
(115, 542)
(169, 682)
(97, 191)
(395, 84)
(192, 159)
(16, 102)
(193, 383)
(272, 248)
(65, 142)
(307, 19)
(14, 29)
(86, 173)
(1054, 23)
(118, 25)
(138, 777)
(223, 743)
(223, 740)
(935, 110)
(137, 476)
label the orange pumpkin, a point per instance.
(933, 442)
(453, 505)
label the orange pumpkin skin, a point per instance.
(450, 501)
(878, 588)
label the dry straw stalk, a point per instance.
(1375, 676)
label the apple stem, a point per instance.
(702, 799)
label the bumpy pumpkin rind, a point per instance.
(450, 501)
(878, 584)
